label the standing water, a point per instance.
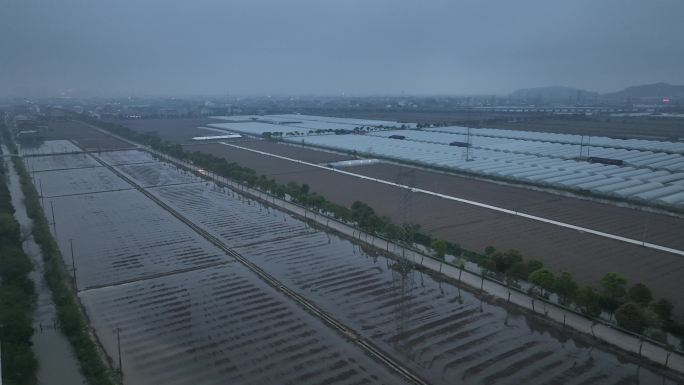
(57, 363)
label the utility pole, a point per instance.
(469, 144)
(42, 197)
(73, 263)
(643, 236)
(54, 224)
(118, 345)
(588, 145)
(402, 269)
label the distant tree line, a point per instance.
(336, 131)
(632, 307)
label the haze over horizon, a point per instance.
(353, 47)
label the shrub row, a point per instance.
(17, 297)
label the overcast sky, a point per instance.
(147, 47)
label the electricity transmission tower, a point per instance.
(468, 153)
(402, 268)
(583, 145)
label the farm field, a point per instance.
(647, 172)
(156, 174)
(59, 162)
(120, 237)
(49, 148)
(186, 311)
(435, 328)
(639, 128)
(586, 256)
(77, 181)
(530, 161)
(126, 157)
(236, 221)
(297, 152)
(660, 228)
(222, 325)
(181, 131)
(648, 128)
(310, 121)
(174, 130)
(448, 334)
(83, 135)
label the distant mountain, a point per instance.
(554, 94)
(648, 91)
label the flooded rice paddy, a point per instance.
(235, 220)
(50, 147)
(445, 334)
(59, 162)
(156, 174)
(222, 325)
(189, 313)
(78, 181)
(115, 158)
(120, 236)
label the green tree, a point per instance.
(502, 262)
(14, 264)
(612, 291)
(392, 231)
(613, 285)
(663, 309)
(19, 364)
(454, 249)
(522, 270)
(518, 271)
(440, 247)
(565, 287)
(631, 317)
(542, 278)
(489, 250)
(639, 294)
(9, 228)
(587, 301)
(533, 265)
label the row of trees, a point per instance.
(72, 321)
(633, 307)
(17, 296)
(274, 134)
(319, 131)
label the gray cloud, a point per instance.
(330, 47)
